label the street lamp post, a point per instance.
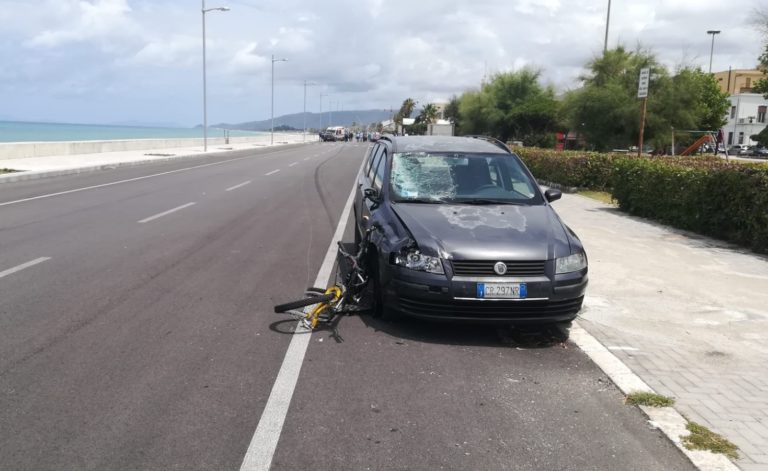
(321, 109)
(607, 22)
(205, 94)
(305, 108)
(712, 48)
(272, 112)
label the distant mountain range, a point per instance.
(314, 120)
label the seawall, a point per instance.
(22, 150)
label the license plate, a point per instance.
(502, 290)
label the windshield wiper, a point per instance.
(421, 200)
(482, 201)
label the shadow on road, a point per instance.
(448, 333)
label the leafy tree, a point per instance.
(451, 112)
(761, 86)
(761, 138)
(511, 105)
(606, 110)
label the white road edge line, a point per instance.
(667, 419)
(165, 213)
(140, 178)
(264, 442)
(23, 266)
(271, 173)
(237, 186)
(295, 163)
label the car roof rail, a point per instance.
(490, 139)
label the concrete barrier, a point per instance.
(23, 150)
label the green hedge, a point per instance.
(702, 194)
(582, 169)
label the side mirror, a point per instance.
(553, 195)
(371, 194)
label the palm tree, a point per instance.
(407, 108)
(429, 113)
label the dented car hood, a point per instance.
(498, 232)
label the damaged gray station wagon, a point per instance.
(463, 232)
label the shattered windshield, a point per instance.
(460, 178)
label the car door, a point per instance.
(372, 180)
(364, 181)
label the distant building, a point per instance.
(746, 117)
(747, 114)
(737, 81)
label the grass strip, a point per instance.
(702, 438)
(649, 399)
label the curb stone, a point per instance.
(666, 419)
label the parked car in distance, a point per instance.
(758, 151)
(464, 233)
(739, 149)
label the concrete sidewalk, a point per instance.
(688, 314)
(38, 167)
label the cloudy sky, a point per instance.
(140, 61)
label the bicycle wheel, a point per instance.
(323, 298)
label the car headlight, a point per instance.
(415, 260)
(571, 263)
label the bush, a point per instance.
(582, 169)
(700, 194)
(727, 201)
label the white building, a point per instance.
(746, 117)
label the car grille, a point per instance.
(510, 310)
(485, 268)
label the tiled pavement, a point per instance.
(687, 314)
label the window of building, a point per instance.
(730, 138)
(733, 112)
(741, 138)
(761, 113)
(749, 82)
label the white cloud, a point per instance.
(248, 61)
(80, 21)
(369, 54)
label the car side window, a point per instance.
(368, 159)
(371, 157)
(379, 176)
(376, 158)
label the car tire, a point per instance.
(378, 307)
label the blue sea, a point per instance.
(14, 131)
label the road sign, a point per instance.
(642, 87)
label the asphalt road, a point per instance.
(136, 332)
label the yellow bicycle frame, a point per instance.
(314, 315)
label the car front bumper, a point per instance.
(437, 297)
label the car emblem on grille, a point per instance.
(500, 268)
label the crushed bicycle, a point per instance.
(323, 306)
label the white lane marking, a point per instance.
(622, 348)
(271, 173)
(237, 186)
(291, 165)
(165, 213)
(264, 441)
(23, 266)
(138, 178)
